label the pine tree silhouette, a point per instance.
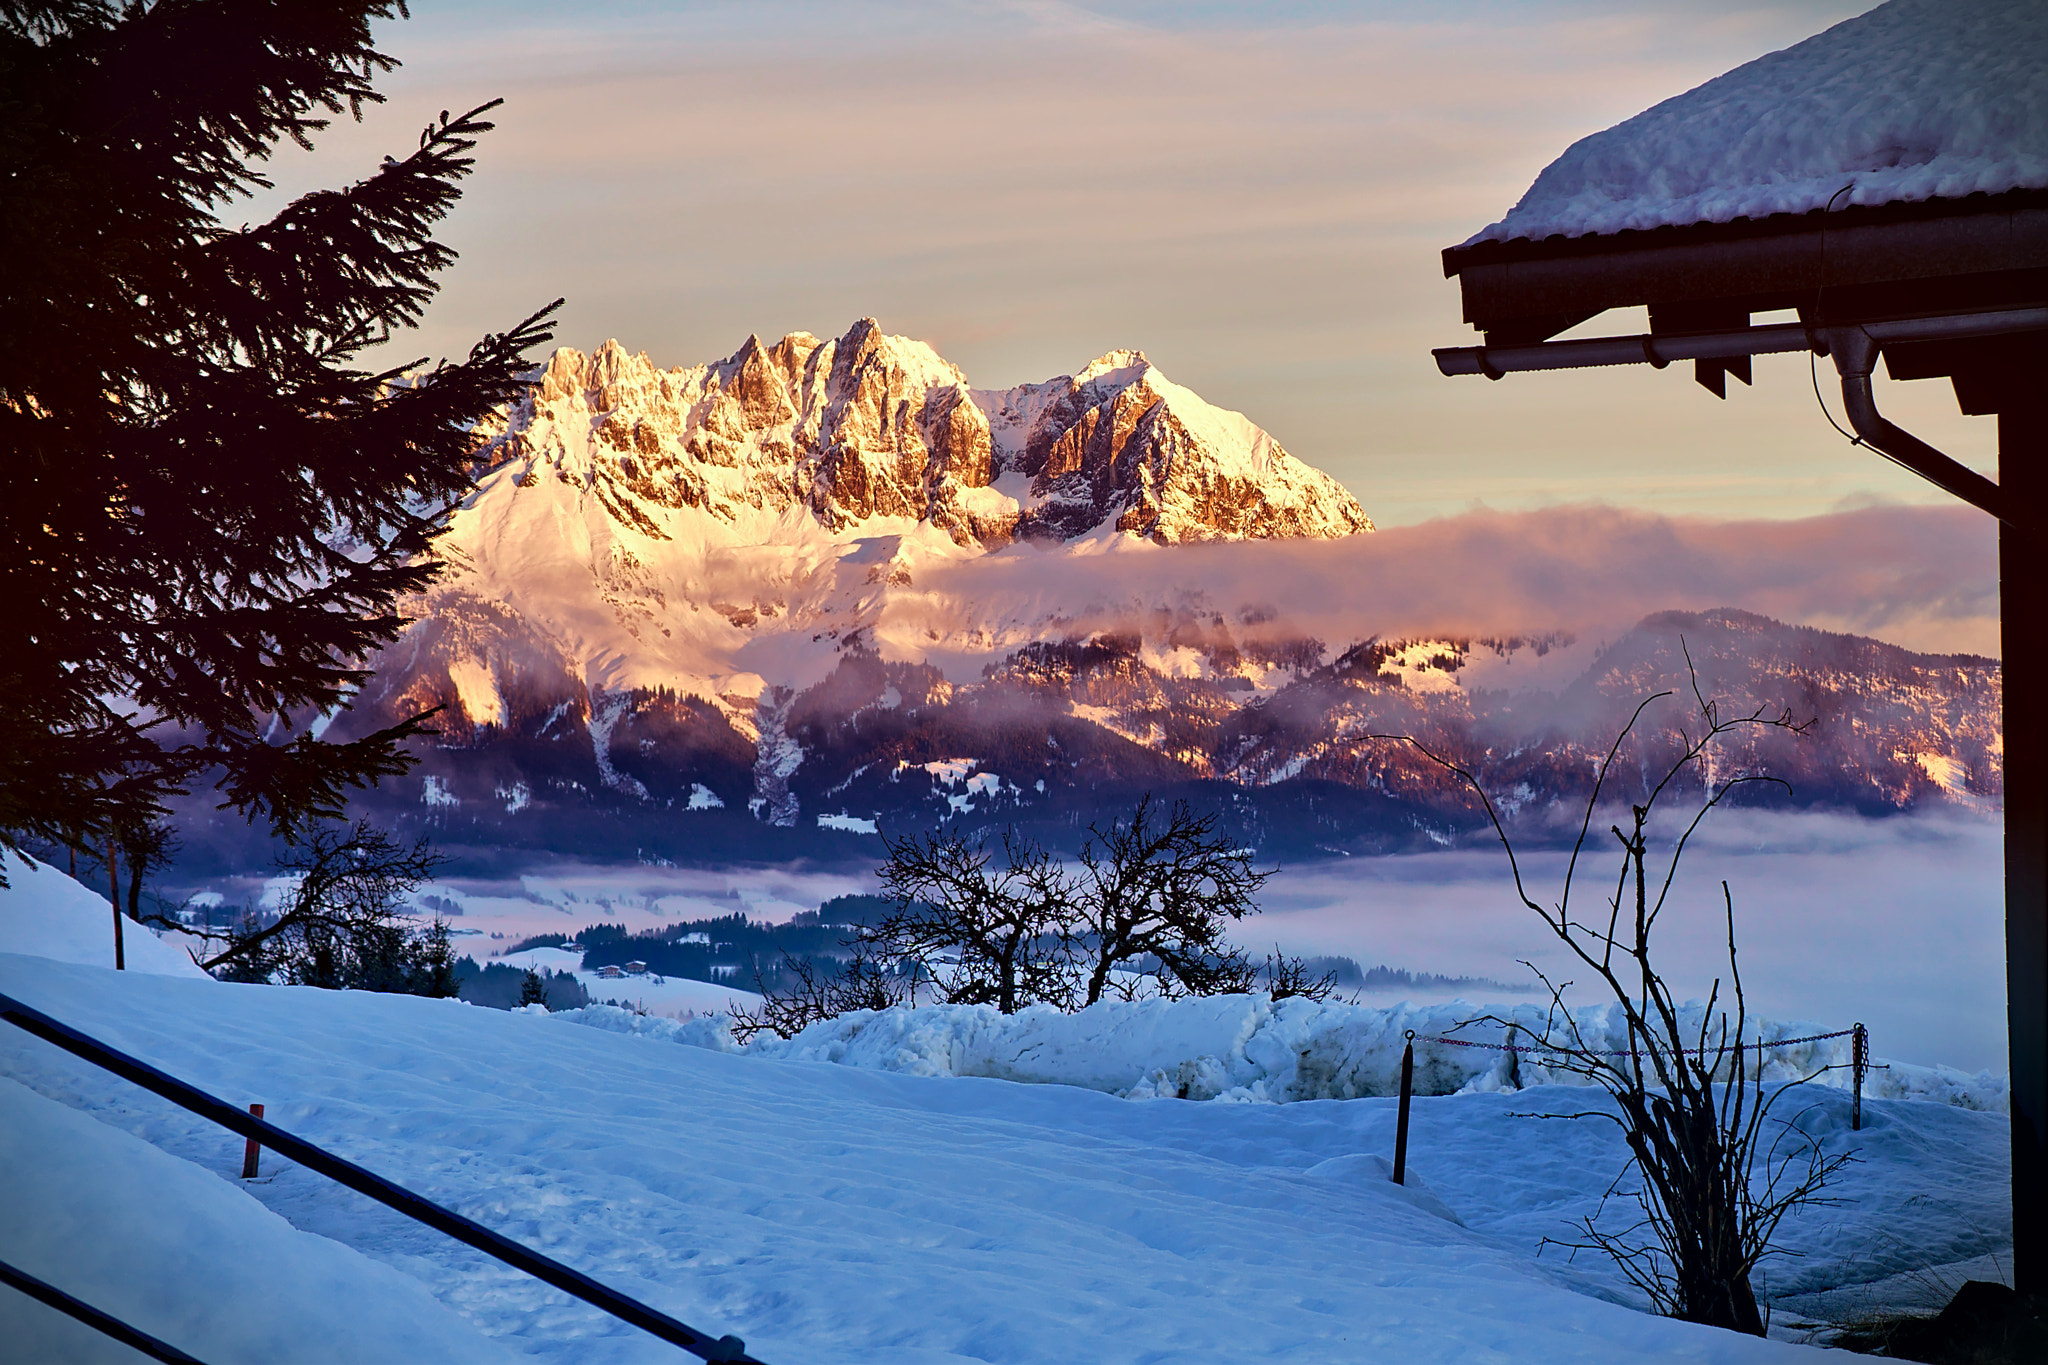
(532, 991)
(209, 515)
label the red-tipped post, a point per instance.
(251, 1153)
(1401, 1119)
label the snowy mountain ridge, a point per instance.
(822, 590)
(871, 426)
(1281, 733)
(727, 528)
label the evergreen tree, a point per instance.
(434, 972)
(210, 516)
(532, 991)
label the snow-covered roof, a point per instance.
(1915, 100)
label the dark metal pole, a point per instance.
(114, 900)
(2023, 616)
(99, 1321)
(1859, 1062)
(726, 1350)
(1401, 1118)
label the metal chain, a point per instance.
(1623, 1051)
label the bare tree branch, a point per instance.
(1709, 1184)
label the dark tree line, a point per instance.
(500, 987)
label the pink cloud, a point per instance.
(1925, 578)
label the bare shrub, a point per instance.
(1000, 924)
(1167, 891)
(998, 920)
(1715, 1171)
(810, 993)
(1289, 977)
(343, 924)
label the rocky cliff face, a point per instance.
(874, 426)
(727, 530)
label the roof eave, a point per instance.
(1891, 260)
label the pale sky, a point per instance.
(1253, 194)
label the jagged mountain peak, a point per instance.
(729, 527)
(872, 424)
(1124, 366)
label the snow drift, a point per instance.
(1251, 1049)
(171, 1248)
(47, 914)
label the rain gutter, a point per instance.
(1854, 350)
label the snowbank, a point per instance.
(44, 913)
(712, 1031)
(1247, 1048)
(1918, 99)
(190, 1258)
(842, 1216)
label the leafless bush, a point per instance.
(343, 923)
(1001, 924)
(1144, 911)
(808, 993)
(1715, 1171)
(998, 920)
(1167, 891)
(1286, 977)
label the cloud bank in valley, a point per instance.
(1923, 578)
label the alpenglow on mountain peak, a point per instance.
(877, 426)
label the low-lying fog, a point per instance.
(1898, 923)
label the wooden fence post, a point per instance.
(251, 1153)
(1401, 1119)
(1859, 1062)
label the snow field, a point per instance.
(833, 1213)
(168, 1246)
(44, 912)
(675, 997)
(827, 1206)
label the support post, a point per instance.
(1401, 1116)
(114, 901)
(252, 1151)
(1859, 1062)
(2023, 617)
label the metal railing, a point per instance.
(725, 1350)
(95, 1318)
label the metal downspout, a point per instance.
(1855, 355)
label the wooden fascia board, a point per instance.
(1759, 272)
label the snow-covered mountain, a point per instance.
(1283, 736)
(874, 426)
(731, 527)
(824, 589)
